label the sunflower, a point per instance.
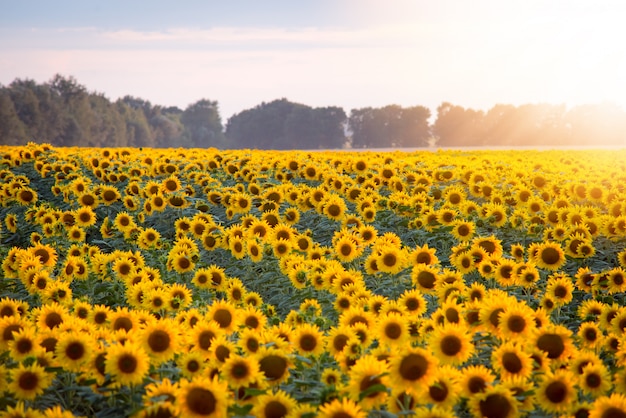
(451, 343)
(355, 315)
(556, 391)
(337, 338)
(23, 344)
(347, 249)
(240, 371)
(149, 238)
(391, 329)
(595, 380)
(548, 255)
(554, 340)
(413, 301)
(390, 258)
(424, 277)
(225, 314)
(412, 369)
(590, 335)
(527, 275)
(26, 196)
(511, 360)
(74, 350)
(51, 315)
(616, 278)
(341, 408)
(445, 391)
(475, 379)
(368, 381)
(491, 245)
(274, 363)
(191, 363)
(47, 254)
(181, 261)
(28, 382)
(203, 397)
(123, 319)
(308, 339)
(254, 250)
(559, 288)
(463, 230)
(516, 321)
(160, 340)
(127, 363)
(494, 402)
(278, 404)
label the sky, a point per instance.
(347, 53)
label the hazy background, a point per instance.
(346, 53)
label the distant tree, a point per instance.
(138, 132)
(457, 126)
(368, 128)
(281, 124)
(12, 130)
(597, 124)
(109, 127)
(203, 125)
(389, 126)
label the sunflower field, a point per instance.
(246, 283)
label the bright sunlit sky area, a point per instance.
(347, 53)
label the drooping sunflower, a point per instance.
(203, 397)
(28, 382)
(451, 343)
(127, 363)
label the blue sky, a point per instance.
(348, 53)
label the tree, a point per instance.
(203, 125)
(457, 126)
(281, 124)
(389, 126)
(12, 130)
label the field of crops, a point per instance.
(208, 283)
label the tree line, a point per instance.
(63, 112)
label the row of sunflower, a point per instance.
(159, 283)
